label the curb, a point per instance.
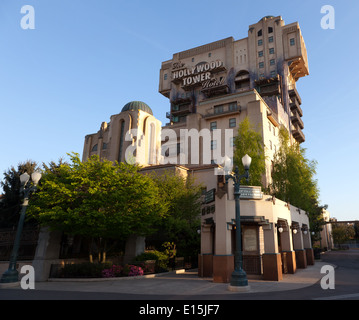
(147, 276)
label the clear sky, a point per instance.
(86, 59)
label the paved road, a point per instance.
(304, 285)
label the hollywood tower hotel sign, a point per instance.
(200, 75)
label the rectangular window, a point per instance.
(270, 39)
(213, 144)
(213, 125)
(260, 42)
(270, 144)
(261, 64)
(232, 122)
(271, 50)
(231, 142)
(165, 76)
(273, 74)
(270, 30)
(292, 41)
(218, 109)
(260, 54)
(233, 106)
(272, 62)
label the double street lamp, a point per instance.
(239, 276)
(12, 275)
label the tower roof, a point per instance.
(137, 105)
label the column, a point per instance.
(272, 262)
(47, 253)
(287, 247)
(223, 259)
(307, 242)
(135, 245)
(298, 246)
(205, 258)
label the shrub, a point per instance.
(135, 271)
(114, 271)
(84, 270)
(160, 258)
(119, 271)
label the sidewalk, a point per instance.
(187, 283)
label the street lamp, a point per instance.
(239, 276)
(12, 275)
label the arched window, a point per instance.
(122, 137)
(152, 145)
(94, 148)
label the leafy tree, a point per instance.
(182, 198)
(342, 233)
(293, 175)
(11, 205)
(250, 141)
(97, 199)
(356, 230)
(293, 180)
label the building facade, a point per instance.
(211, 90)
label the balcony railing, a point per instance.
(296, 119)
(223, 112)
(298, 134)
(294, 93)
(294, 106)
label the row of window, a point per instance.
(232, 124)
(271, 62)
(260, 32)
(95, 147)
(214, 143)
(273, 73)
(260, 53)
(270, 40)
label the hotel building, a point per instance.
(211, 90)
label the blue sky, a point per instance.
(86, 59)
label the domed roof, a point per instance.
(137, 105)
(266, 17)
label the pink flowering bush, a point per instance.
(114, 271)
(135, 271)
(119, 271)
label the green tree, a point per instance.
(182, 198)
(97, 199)
(342, 233)
(293, 175)
(293, 180)
(250, 141)
(11, 204)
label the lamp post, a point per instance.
(239, 276)
(12, 275)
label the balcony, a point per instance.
(296, 119)
(269, 86)
(215, 90)
(177, 110)
(230, 109)
(294, 93)
(295, 107)
(298, 134)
